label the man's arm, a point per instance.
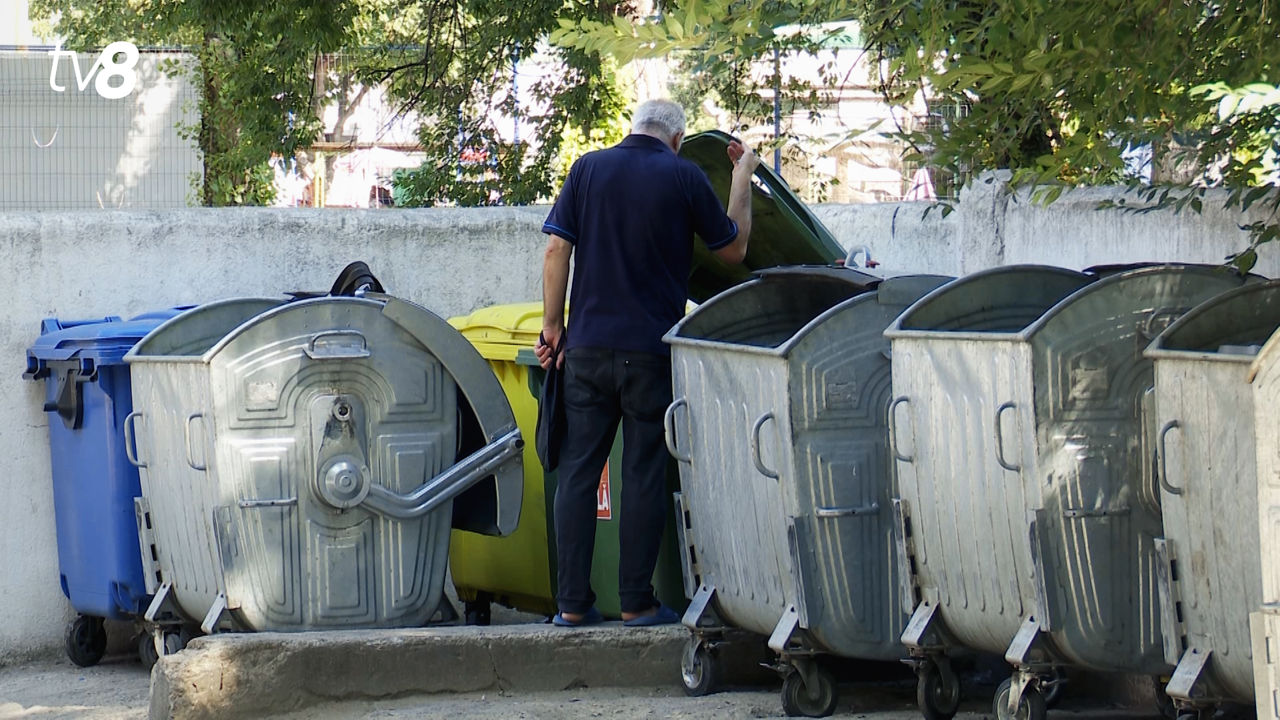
(555, 285)
(739, 210)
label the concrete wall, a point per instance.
(87, 264)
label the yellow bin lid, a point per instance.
(498, 332)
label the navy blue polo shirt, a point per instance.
(631, 212)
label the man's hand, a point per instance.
(548, 342)
(744, 158)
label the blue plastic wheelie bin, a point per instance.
(88, 395)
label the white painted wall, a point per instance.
(85, 264)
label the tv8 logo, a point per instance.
(106, 67)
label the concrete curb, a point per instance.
(251, 675)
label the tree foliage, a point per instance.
(253, 71)
(1061, 93)
(729, 52)
(264, 81)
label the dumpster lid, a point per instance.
(783, 229)
(499, 331)
(1000, 300)
(1236, 323)
(800, 272)
(105, 340)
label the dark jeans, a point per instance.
(602, 387)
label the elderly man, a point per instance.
(627, 215)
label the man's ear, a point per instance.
(677, 141)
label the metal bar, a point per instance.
(1000, 438)
(835, 512)
(1162, 455)
(669, 430)
(130, 440)
(893, 429)
(755, 446)
(274, 502)
(448, 484)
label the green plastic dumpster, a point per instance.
(519, 570)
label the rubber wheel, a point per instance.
(818, 700)
(1164, 703)
(699, 669)
(147, 650)
(479, 612)
(937, 690)
(86, 640)
(1032, 706)
(1054, 692)
(174, 643)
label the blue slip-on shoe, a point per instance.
(663, 616)
(590, 617)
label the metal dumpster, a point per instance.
(300, 461)
(780, 389)
(1211, 568)
(1027, 517)
(87, 394)
(1264, 378)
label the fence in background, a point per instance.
(81, 147)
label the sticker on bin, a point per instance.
(604, 507)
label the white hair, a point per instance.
(658, 117)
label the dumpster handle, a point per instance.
(190, 461)
(893, 429)
(1170, 313)
(337, 352)
(130, 451)
(1161, 453)
(755, 446)
(669, 430)
(1000, 438)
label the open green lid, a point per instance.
(783, 230)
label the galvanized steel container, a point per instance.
(1264, 377)
(781, 385)
(1027, 507)
(1211, 575)
(299, 461)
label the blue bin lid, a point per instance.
(104, 341)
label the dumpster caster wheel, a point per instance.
(478, 612)
(1032, 706)
(86, 640)
(1054, 688)
(147, 650)
(937, 690)
(816, 700)
(699, 669)
(174, 643)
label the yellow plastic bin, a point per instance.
(519, 570)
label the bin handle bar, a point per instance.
(1164, 313)
(893, 429)
(837, 512)
(190, 457)
(130, 450)
(447, 485)
(1009, 405)
(669, 430)
(337, 352)
(755, 446)
(1161, 455)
